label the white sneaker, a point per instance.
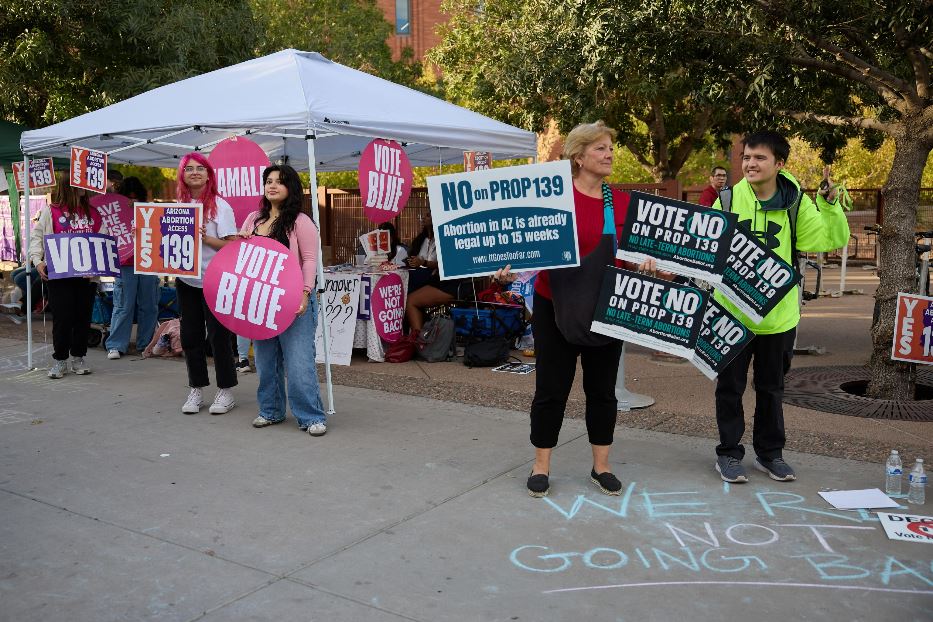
(59, 369)
(194, 402)
(317, 429)
(113, 354)
(223, 402)
(78, 366)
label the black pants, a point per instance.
(72, 300)
(195, 315)
(556, 367)
(772, 355)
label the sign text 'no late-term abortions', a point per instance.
(518, 215)
(755, 278)
(651, 312)
(684, 238)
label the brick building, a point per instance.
(414, 24)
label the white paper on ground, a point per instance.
(858, 499)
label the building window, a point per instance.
(403, 17)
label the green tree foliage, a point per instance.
(646, 67)
(62, 58)
(350, 32)
(835, 69)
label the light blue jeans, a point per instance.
(133, 294)
(290, 354)
(242, 347)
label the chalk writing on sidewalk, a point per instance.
(692, 538)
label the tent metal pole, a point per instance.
(137, 142)
(25, 235)
(315, 210)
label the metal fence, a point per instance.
(343, 219)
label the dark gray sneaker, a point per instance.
(777, 469)
(731, 470)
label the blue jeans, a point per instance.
(133, 294)
(242, 347)
(291, 354)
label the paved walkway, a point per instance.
(113, 506)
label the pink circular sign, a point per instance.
(254, 287)
(238, 164)
(387, 307)
(385, 180)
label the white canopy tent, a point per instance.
(298, 106)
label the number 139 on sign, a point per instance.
(178, 252)
(96, 177)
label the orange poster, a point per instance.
(913, 329)
(167, 239)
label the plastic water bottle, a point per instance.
(918, 480)
(893, 469)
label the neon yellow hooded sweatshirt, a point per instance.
(821, 227)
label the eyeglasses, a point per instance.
(195, 169)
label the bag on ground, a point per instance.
(436, 341)
(402, 350)
(488, 352)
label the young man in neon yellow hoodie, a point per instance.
(771, 204)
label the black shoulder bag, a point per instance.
(575, 290)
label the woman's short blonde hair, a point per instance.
(582, 137)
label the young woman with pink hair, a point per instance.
(197, 183)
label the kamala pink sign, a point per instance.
(385, 180)
(238, 164)
(254, 287)
(387, 307)
(117, 212)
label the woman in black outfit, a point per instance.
(564, 303)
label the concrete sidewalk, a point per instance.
(114, 506)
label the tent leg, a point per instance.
(628, 400)
(25, 235)
(316, 214)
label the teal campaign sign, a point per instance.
(722, 337)
(518, 215)
(650, 312)
(686, 239)
(755, 278)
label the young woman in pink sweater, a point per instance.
(291, 353)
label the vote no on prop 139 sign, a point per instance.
(518, 215)
(684, 238)
(648, 311)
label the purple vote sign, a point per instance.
(388, 307)
(81, 254)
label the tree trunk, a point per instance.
(891, 379)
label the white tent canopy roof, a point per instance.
(279, 100)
